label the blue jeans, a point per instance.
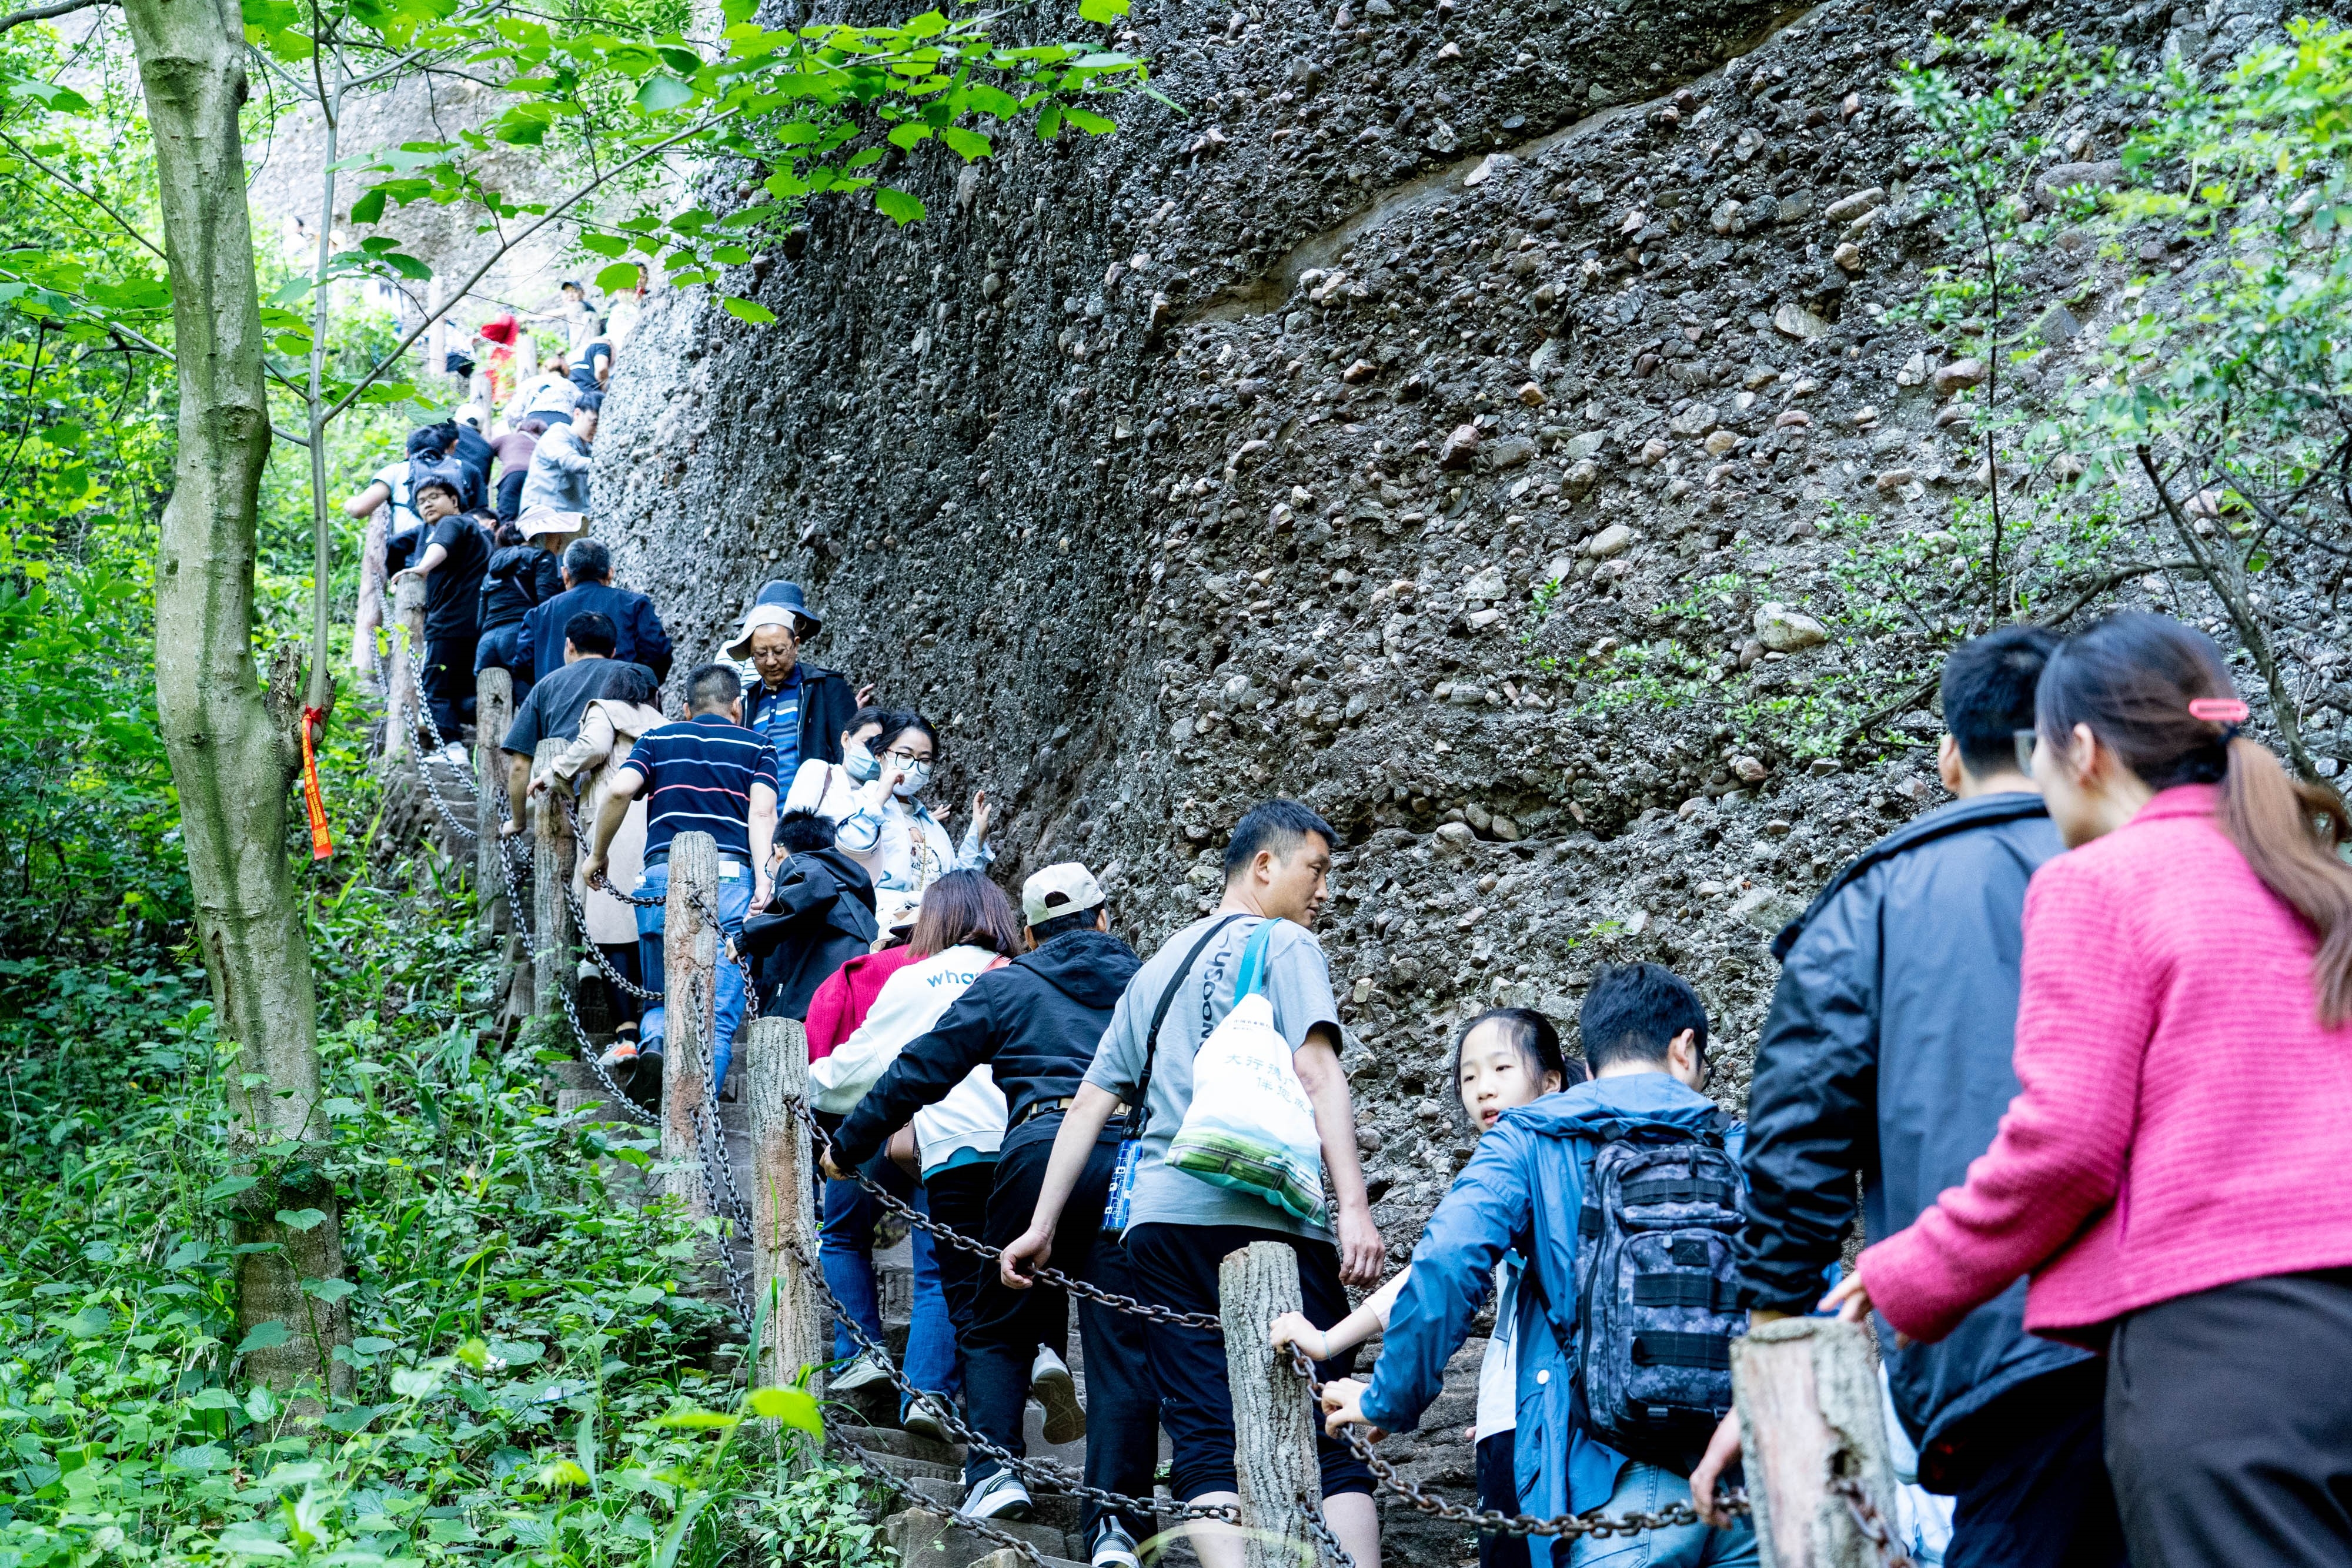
(734, 904)
(845, 1252)
(502, 648)
(1648, 1488)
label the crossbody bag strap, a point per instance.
(1160, 1015)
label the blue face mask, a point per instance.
(859, 762)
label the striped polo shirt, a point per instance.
(696, 778)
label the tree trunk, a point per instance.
(1273, 1418)
(784, 1202)
(690, 996)
(493, 707)
(235, 749)
(1809, 1418)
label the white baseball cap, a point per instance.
(1059, 890)
(548, 520)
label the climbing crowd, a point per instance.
(2086, 1025)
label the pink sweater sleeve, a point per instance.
(826, 1008)
(2085, 1009)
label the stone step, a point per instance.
(907, 1444)
(1005, 1557)
(924, 1539)
(1059, 1510)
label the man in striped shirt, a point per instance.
(707, 775)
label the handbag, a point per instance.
(1250, 1126)
(1117, 1206)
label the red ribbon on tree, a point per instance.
(314, 804)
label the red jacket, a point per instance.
(840, 1003)
(2183, 1117)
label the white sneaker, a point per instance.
(453, 754)
(863, 1372)
(1000, 1495)
(1114, 1547)
(927, 1417)
(1051, 1385)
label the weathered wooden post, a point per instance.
(550, 871)
(1810, 1417)
(1274, 1416)
(402, 720)
(784, 1203)
(493, 709)
(690, 984)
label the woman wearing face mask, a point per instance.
(831, 789)
(890, 832)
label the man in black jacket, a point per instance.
(1887, 1054)
(819, 916)
(799, 708)
(1035, 1022)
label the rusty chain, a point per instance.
(878, 1475)
(1871, 1522)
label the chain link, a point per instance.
(1871, 1522)
(1494, 1521)
(890, 1482)
(1310, 1514)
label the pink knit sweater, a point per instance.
(2184, 1121)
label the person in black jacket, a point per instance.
(800, 708)
(819, 916)
(1036, 1023)
(523, 574)
(1887, 1054)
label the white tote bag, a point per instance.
(1251, 1126)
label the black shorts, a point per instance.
(1176, 1266)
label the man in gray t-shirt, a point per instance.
(1179, 1227)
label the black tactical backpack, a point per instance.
(1657, 1293)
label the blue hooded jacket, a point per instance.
(1523, 1190)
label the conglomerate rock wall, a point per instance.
(1232, 455)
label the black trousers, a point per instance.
(1008, 1325)
(2036, 1493)
(1177, 1266)
(2229, 1425)
(447, 677)
(959, 1200)
(1498, 1489)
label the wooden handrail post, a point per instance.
(551, 869)
(402, 720)
(783, 1204)
(690, 984)
(1809, 1414)
(493, 710)
(1273, 1419)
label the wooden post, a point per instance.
(784, 1203)
(408, 646)
(1273, 1418)
(493, 709)
(550, 918)
(1809, 1413)
(690, 984)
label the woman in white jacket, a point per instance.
(835, 790)
(889, 831)
(966, 929)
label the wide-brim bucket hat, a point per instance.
(781, 604)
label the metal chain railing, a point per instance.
(1494, 1521)
(1871, 1522)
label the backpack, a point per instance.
(1657, 1292)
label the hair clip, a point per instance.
(2220, 710)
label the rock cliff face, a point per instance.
(1352, 436)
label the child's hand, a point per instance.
(1292, 1327)
(1343, 1402)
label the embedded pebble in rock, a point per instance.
(1785, 631)
(1798, 322)
(1749, 769)
(1848, 257)
(1653, 452)
(1611, 540)
(1959, 373)
(1722, 442)
(1461, 447)
(1846, 208)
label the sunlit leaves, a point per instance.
(749, 310)
(896, 205)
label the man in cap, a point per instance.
(1034, 1022)
(799, 709)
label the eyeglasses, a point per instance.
(2024, 740)
(905, 759)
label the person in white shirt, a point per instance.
(903, 847)
(966, 929)
(833, 790)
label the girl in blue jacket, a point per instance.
(1502, 1058)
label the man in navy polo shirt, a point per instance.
(709, 775)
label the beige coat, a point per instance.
(608, 732)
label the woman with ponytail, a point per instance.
(2172, 1173)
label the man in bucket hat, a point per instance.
(799, 709)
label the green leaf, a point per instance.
(328, 1290)
(909, 135)
(697, 1420)
(1103, 11)
(1049, 123)
(663, 92)
(1092, 124)
(646, 1295)
(229, 1186)
(368, 208)
(267, 1334)
(90, 1323)
(414, 1381)
(621, 277)
(792, 1407)
(302, 1219)
(246, 1540)
(604, 244)
(685, 62)
(970, 145)
(896, 205)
